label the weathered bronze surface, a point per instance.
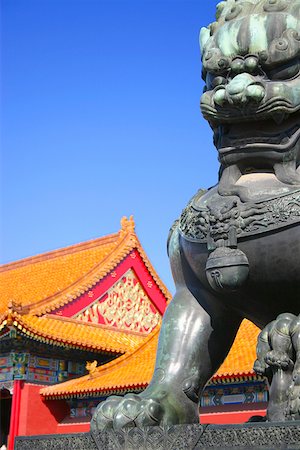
(235, 251)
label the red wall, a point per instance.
(37, 416)
(45, 417)
(74, 427)
(232, 413)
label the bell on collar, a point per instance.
(227, 269)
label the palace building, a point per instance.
(81, 323)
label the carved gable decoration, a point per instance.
(125, 306)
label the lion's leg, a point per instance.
(294, 392)
(275, 360)
(263, 347)
(194, 341)
(196, 334)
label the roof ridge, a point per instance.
(60, 252)
(125, 241)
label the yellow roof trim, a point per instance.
(74, 334)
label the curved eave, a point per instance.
(78, 336)
(235, 378)
(129, 387)
(118, 390)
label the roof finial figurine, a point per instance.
(91, 367)
(128, 225)
(16, 306)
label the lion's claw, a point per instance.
(128, 411)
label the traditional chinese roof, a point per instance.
(51, 297)
(134, 370)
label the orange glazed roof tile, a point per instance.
(41, 278)
(242, 355)
(32, 288)
(131, 370)
(134, 370)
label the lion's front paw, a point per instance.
(128, 411)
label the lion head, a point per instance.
(251, 67)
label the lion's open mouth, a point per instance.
(258, 135)
(275, 107)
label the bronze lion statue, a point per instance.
(235, 250)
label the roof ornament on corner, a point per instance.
(16, 307)
(128, 225)
(91, 367)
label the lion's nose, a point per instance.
(243, 88)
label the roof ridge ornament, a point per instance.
(17, 307)
(128, 225)
(91, 367)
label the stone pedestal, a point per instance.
(254, 436)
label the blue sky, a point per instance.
(100, 119)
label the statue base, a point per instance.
(258, 436)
